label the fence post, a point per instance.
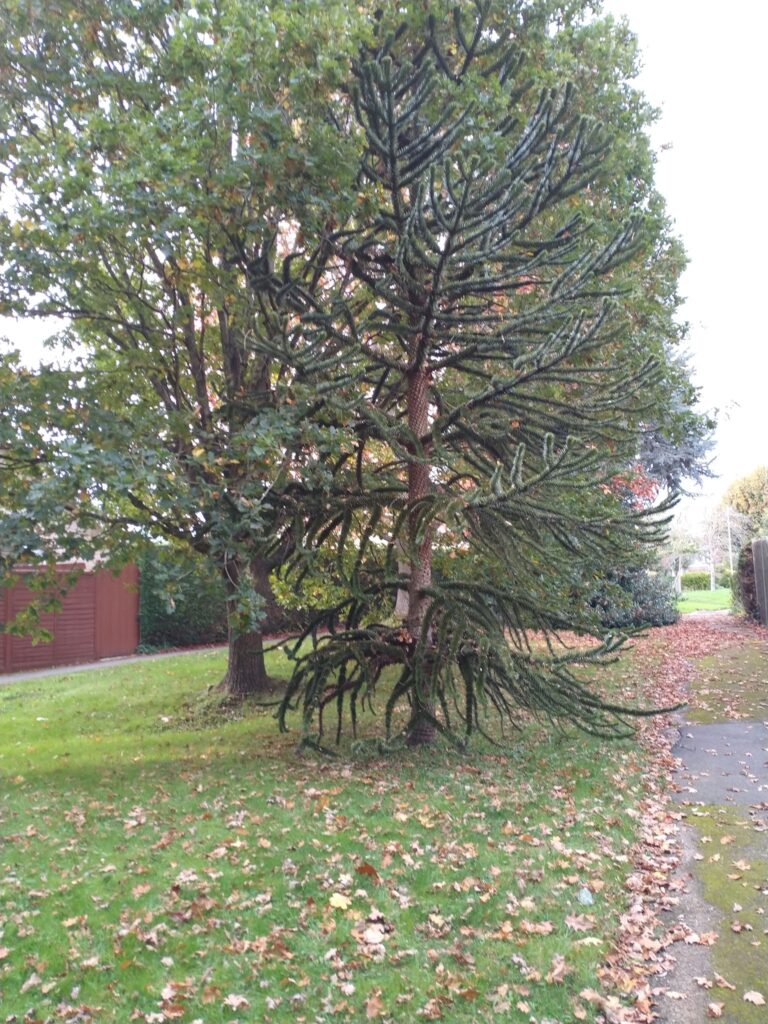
(760, 558)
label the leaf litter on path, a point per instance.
(666, 659)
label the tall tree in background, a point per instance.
(510, 378)
(173, 170)
(748, 496)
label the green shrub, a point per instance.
(725, 578)
(182, 600)
(743, 585)
(637, 597)
(695, 581)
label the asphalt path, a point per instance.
(723, 764)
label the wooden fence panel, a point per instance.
(98, 618)
(74, 628)
(117, 612)
(20, 652)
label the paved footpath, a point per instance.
(723, 774)
(724, 763)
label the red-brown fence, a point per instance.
(99, 618)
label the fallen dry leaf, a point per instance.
(722, 983)
(740, 926)
(558, 970)
(432, 1010)
(536, 927)
(754, 997)
(374, 1007)
(374, 934)
(235, 1002)
(32, 982)
(369, 871)
(470, 994)
(590, 995)
(580, 922)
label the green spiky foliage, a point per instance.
(505, 389)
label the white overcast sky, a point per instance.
(704, 66)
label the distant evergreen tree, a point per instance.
(505, 389)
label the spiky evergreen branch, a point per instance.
(504, 396)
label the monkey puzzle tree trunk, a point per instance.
(420, 729)
(246, 669)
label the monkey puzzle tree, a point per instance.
(507, 380)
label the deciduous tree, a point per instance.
(749, 497)
(172, 171)
(375, 288)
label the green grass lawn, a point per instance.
(165, 858)
(705, 600)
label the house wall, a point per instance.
(99, 618)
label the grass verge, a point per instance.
(704, 600)
(167, 859)
(731, 685)
(733, 870)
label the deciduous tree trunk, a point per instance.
(246, 670)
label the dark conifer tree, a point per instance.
(504, 391)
